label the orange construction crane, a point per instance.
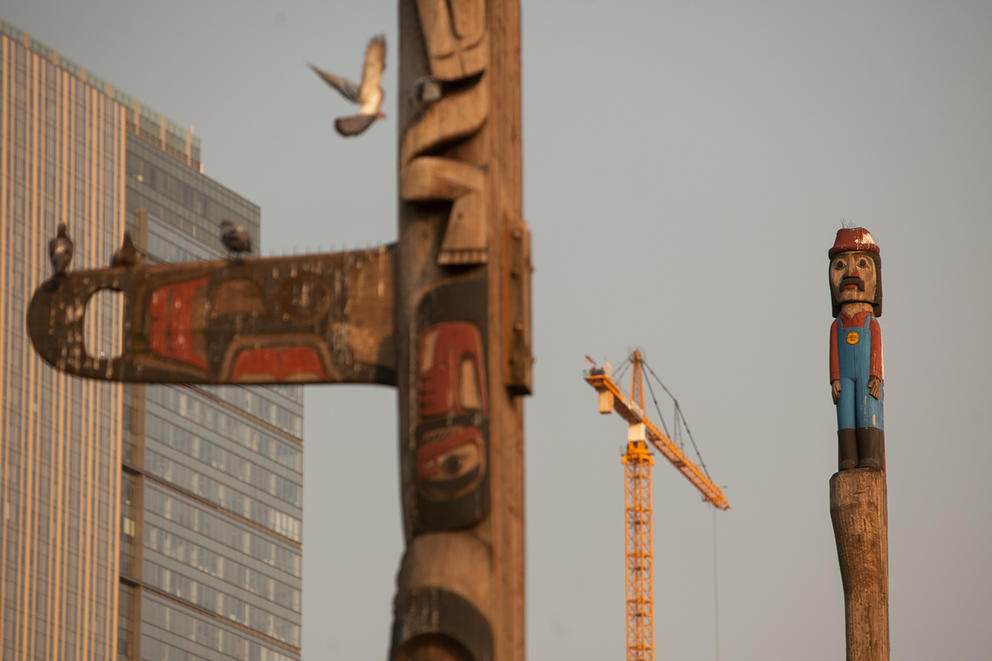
(637, 462)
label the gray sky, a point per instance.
(686, 166)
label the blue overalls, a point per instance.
(856, 407)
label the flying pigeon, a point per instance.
(368, 95)
(234, 237)
(127, 255)
(60, 250)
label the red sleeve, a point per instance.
(834, 369)
(875, 366)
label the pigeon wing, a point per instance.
(370, 93)
(348, 88)
(353, 124)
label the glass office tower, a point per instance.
(139, 522)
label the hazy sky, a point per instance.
(686, 165)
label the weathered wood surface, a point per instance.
(444, 315)
(454, 35)
(302, 319)
(859, 513)
(463, 323)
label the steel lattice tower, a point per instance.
(637, 465)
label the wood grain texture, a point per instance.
(859, 511)
(460, 590)
(443, 149)
(505, 171)
(303, 319)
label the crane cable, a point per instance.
(716, 595)
(658, 409)
(679, 414)
(621, 369)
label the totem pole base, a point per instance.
(859, 512)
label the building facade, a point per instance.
(151, 522)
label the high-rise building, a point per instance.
(138, 521)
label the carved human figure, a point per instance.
(856, 373)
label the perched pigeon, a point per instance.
(60, 250)
(127, 255)
(426, 89)
(234, 237)
(368, 95)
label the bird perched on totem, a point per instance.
(856, 372)
(60, 250)
(423, 92)
(368, 94)
(235, 238)
(426, 90)
(128, 254)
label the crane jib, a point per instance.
(611, 397)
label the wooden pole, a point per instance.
(444, 315)
(463, 332)
(859, 512)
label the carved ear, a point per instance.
(353, 124)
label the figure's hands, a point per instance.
(835, 390)
(874, 386)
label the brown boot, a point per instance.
(847, 449)
(870, 452)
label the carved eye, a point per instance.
(863, 263)
(839, 265)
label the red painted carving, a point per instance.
(170, 330)
(451, 375)
(279, 363)
(457, 451)
(451, 452)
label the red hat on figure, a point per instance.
(858, 239)
(855, 238)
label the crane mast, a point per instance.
(638, 530)
(637, 463)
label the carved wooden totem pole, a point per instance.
(464, 315)
(443, 314)
(858, 505)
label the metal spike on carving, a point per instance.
(368, 94)
(60, 250)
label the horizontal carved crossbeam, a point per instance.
(304, 319)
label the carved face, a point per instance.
(853, 277)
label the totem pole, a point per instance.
(858, 505)
(463, 315)
(443, 314)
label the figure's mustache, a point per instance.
(852, 280)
